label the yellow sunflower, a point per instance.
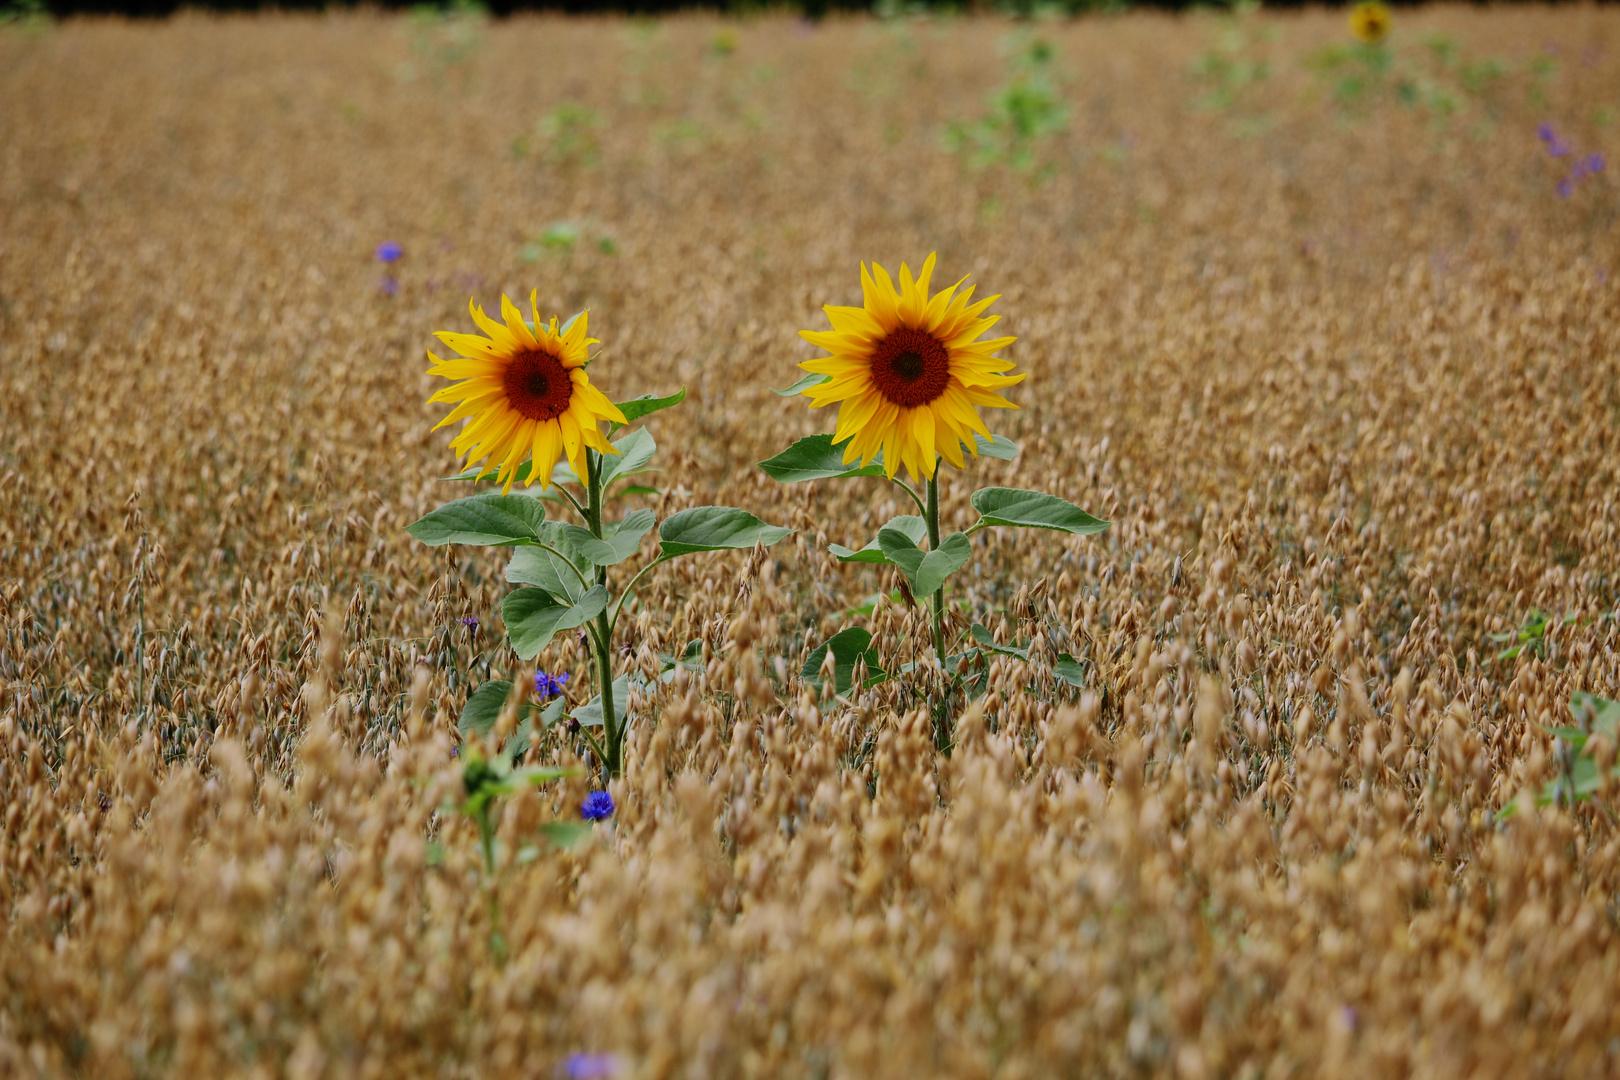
(1370, 22)
(907, 371)
(526, 392)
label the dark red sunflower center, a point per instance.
(910, 367)
(538, 385)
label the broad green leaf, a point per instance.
(565, 835)
(580, 540)
(802, 385)
(1034, 509)
(646, 404)
(550, 569)
(910, 524)
(483, 708)
(632, 489)
(715, 528)
(815, 457)
(870, 604)
(1606, 713)
(691, 659)
(996, 446)
(847, 646)
(590, 713)
(481, 519)
(987, 641)
(635, 450)
(625, 537)
(1070, 670)
(553, 710)
(926, 571)
(533, 616)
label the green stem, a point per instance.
(564, 492)
(612, 731)
(909, 490)
(486, 840)
(942, 733)
(630, 588)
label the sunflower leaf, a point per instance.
(1070, 670)
(559, 567)
(488, 519)
(599, 552)
(625, 537)
(802, 385)
(926, 571)
(996, 446)
(533, 616)
(988, 642)
(913, 526)
(635, 450)
(590, 713)
(848, 645)
(715, 528)
(483, 708)
(816, 457)
(1035, 510)
(646, 404)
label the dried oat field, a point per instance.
(1343, 375)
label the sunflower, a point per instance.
(1370, 22)
(526, 392)
(907, 371)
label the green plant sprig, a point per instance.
(926, 570)
(562, 568)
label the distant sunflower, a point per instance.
(907, 371)
(1370, 22)
(527, 394)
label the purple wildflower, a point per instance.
(597, 805)
(388, 252)
(547, 685)
(1565, 188)
(590, 1066)
(469, 620)
(1594, 163)
(389, 285)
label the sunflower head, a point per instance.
(1370, 22)
(907, 371)
(524, 393)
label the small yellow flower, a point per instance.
(1370, 22)
(907, 372)
(526, 392)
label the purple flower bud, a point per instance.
(1594, 164)
(388, 252)
(1545, 131)
(389, 285)
(590, 1066)
(1565, 188)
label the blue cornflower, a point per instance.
(469, 621)
(547, 685)
(590, 1066)
(388, 252)
(597, 805)
(1594, 163)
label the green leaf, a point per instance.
(590, 713)
(533, 616)
(625, 537)
(691, 659)
(802, 385)
(988, 642)
(847, 646)
(996, 446)
(913, 526)
(579, 538)
(481, 519)
(1606, 713)
(483, 708)
(815, 457)
(926, 571)
(635, 450)
(632, 489)
(1034, 509)
(553, 711)
(1070, 670)
(646, 404)
(549, 570)
(565, 835)
(715, 528)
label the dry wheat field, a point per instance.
(1331, 344)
